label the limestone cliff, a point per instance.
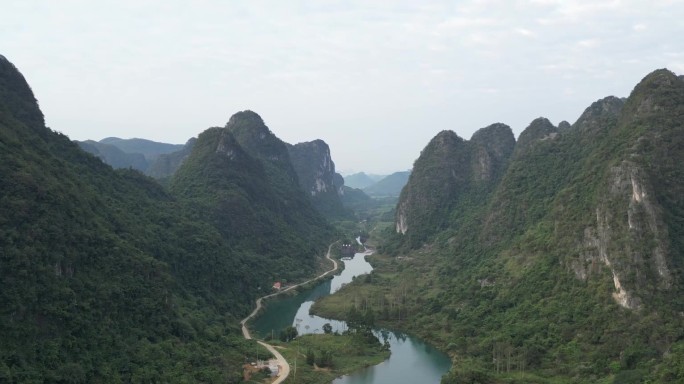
(449, 173)
(631, 235)
(316, 173)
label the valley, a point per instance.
(556, 256)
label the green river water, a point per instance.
(412, 361)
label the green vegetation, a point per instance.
(114, 156)
(105, 276)
(148, 148)
(559, 261)
(332, 355)
(515, 277)
(388, 186)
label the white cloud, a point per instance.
(524, 32)
(588, 43)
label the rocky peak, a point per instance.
(316, 173)
(247, 117)
(538, 130)
(440, 176)
(594, 118)
(493, 147)
(258, 141)
(658, 91)
(564, 126)
(314, 166)
(16, 95)
(444, 139)
(498, 134)
(252, 133)
(497, 138)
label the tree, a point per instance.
(288, 334)
(327, 328)
(310, 356)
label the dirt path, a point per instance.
(284, 366)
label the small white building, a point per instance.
(273, 366)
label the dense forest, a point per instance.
(556, 258)
(106, 276)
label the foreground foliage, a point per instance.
(107, 277)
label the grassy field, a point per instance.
(349, 354)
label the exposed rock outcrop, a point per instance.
(316, 173)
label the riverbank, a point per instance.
(349, 353)
(284, 367)
(411, 360)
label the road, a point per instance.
(284, 366)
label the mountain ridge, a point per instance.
(568, 267)
(106, 276)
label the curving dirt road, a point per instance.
(284, 366)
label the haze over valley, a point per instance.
(556, 256)
(342, 192)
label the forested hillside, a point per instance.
(114, 156)
(563, 264)
(256, 205)
(388, 186)
(107, 277)
(140, 154)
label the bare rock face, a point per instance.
(314, 166)
(338, 181)
(316, 173)
(227, 146)
(631, 236)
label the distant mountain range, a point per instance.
(362, 180)
(140, 154)
(378, 185)
(148, 148)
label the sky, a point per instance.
(376, 80)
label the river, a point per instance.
(412, 361)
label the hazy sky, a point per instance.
(375, 79)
